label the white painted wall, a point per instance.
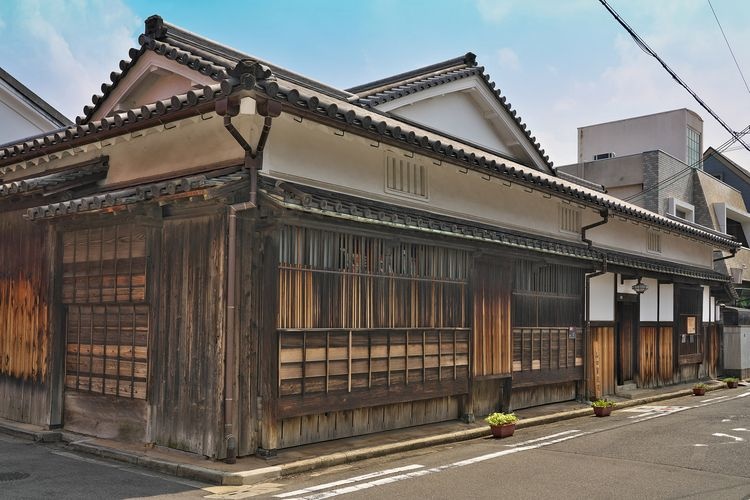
(456, 114)
(706, 302)
(649, 301)
(602, 298)
(18, 118)
(314, 154)
(665, 131)
(666, 302)
(712, 311)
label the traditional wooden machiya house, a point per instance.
(244, 259)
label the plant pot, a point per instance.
(699, 391)
(503, 431)
(602, 411)
(732, 384)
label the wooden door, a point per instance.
(626, 331)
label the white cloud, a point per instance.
(64, 50)
(508, 59)
(494, 11)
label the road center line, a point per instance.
(433, 470)
(349, 480)
(524, 443)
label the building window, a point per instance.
(694, 148)
(734, 228)
(681, 209)
(570, 219)
(405, 176)
(654, 242)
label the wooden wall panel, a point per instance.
(647, 357)
(187, 350)
(713, 349)
(601, 378)
(248, 315)
(340, 424)
(25, 334)
(666, 355)
(492, 349)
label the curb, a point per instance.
(254, 476)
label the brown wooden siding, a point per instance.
(601, 380)
(25, 348)
(367, 321)
(250, 294)
(655, 356)
(187, 353)
(104, 272)
(492, 349)
(713, 348)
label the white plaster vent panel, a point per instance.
(405, 176)
(570, 219)
(653, 243)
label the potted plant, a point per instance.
(731, 382)
(699, 389)
(502, 424)
(602, 407)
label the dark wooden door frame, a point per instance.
(621, 312)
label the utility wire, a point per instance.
(669, 70)
(686, 171)
(729, 46)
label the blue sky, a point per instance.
(561, 63)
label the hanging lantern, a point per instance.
(639, 287)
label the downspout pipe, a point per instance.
(604, 213)
(732, 254)
(588, 343)
(253, 162)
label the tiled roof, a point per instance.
(298, 99)
(110, 125)
(326, 203)
(381, 91)
(171, 189)
(57, 181)
(37, 102)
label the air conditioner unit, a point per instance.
(604, 156)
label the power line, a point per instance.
(729, 46)
(650, 51)
(668, 181)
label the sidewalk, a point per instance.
(250, 470)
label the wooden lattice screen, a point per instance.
(368, 314)
(107, 312)
(547, 320)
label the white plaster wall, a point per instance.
(665, 131)
(602, 298)
(712, 310)
(666, 302)
(316, 155)
(649, 300)
(625, 286)
(706, 302)
(455, 114)
(17, 123)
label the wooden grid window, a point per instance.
(689, 324)
(547, 316)
(368, 313)
(107, 313)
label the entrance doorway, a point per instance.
(627, 320)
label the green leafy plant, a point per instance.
(602, 403)
(728, 380)
(700, 385)
(499, 418)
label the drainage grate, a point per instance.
(12, 476)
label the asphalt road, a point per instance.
(31, 470)
(684, 448)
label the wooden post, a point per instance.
(269, 349)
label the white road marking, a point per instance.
(524, 443)
(725, 420)
(714, 399)
(349, 481)
(433, 470)
(741, 429)
(721, 434)
(700, 445)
